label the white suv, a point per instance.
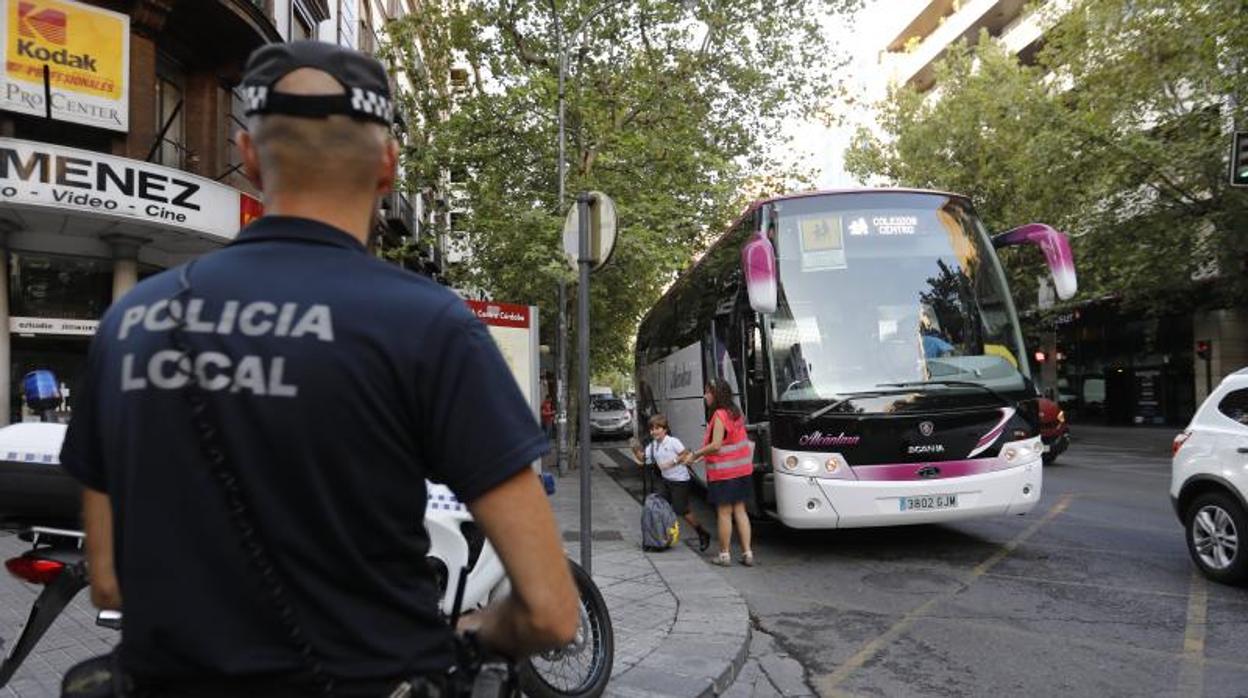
(1209, 482)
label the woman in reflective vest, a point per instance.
(729, 469)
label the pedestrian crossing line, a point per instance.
(1129, 468)
(1092, 550)
(827, 684)
(1135, 452)
(1089, 644)
(1192, 670)
(1087, 585)
(1093, 522)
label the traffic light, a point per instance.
(1239, 160)
(1203, 348)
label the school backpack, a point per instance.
(659, 527)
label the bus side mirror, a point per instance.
(758, 262)
(1056, 248)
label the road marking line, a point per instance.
(1192, 670)
(827, 684)
(1088, 585)
(1084, 643)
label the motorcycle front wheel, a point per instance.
(582, 668)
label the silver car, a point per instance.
(608, 417)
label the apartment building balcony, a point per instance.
(937, 26)
(399, 213)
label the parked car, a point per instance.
(608, 417)
(1209, 482)
(1054, 431)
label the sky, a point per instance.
(822, 149)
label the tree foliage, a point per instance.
(1119, 134)
(671, 108)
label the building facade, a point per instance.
(929, 27)
(118, 159)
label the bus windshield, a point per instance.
(881, 290)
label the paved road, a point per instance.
(1092, 594)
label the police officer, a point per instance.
(338, 384)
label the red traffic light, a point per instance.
(1204, 348)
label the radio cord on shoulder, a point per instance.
(205, 423)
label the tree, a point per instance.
(1119, 135)
(671, 108)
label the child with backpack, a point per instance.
(664, 451)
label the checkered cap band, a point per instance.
(371, 103)
(366, 87)
(256, 96)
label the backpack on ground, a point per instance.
(660, 529)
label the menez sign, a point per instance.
(85, 51)
(41, 174)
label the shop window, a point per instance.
(65, 357)
(170, 114)
(54, 286)
(233, 121)
(1094, 391)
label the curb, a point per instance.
(709, 641)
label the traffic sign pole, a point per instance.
(585, 260)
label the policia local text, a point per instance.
(168, 369)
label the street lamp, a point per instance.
(561, 379)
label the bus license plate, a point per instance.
(929, 502)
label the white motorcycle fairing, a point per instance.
(444, 518)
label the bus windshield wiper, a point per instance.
(952, 383)
(840, 401)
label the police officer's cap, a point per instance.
(364, 79)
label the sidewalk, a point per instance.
(680, 629)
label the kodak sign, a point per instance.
(66, 60)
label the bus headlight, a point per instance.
(828, 466)
(1022, 450)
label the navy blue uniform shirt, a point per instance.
(341, 383)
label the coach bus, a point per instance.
(872, 344)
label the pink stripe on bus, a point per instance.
(910, 471)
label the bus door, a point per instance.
(754, 403)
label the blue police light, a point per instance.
(42, 390)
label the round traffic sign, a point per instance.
(602, 227)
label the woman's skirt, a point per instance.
(738, 489)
